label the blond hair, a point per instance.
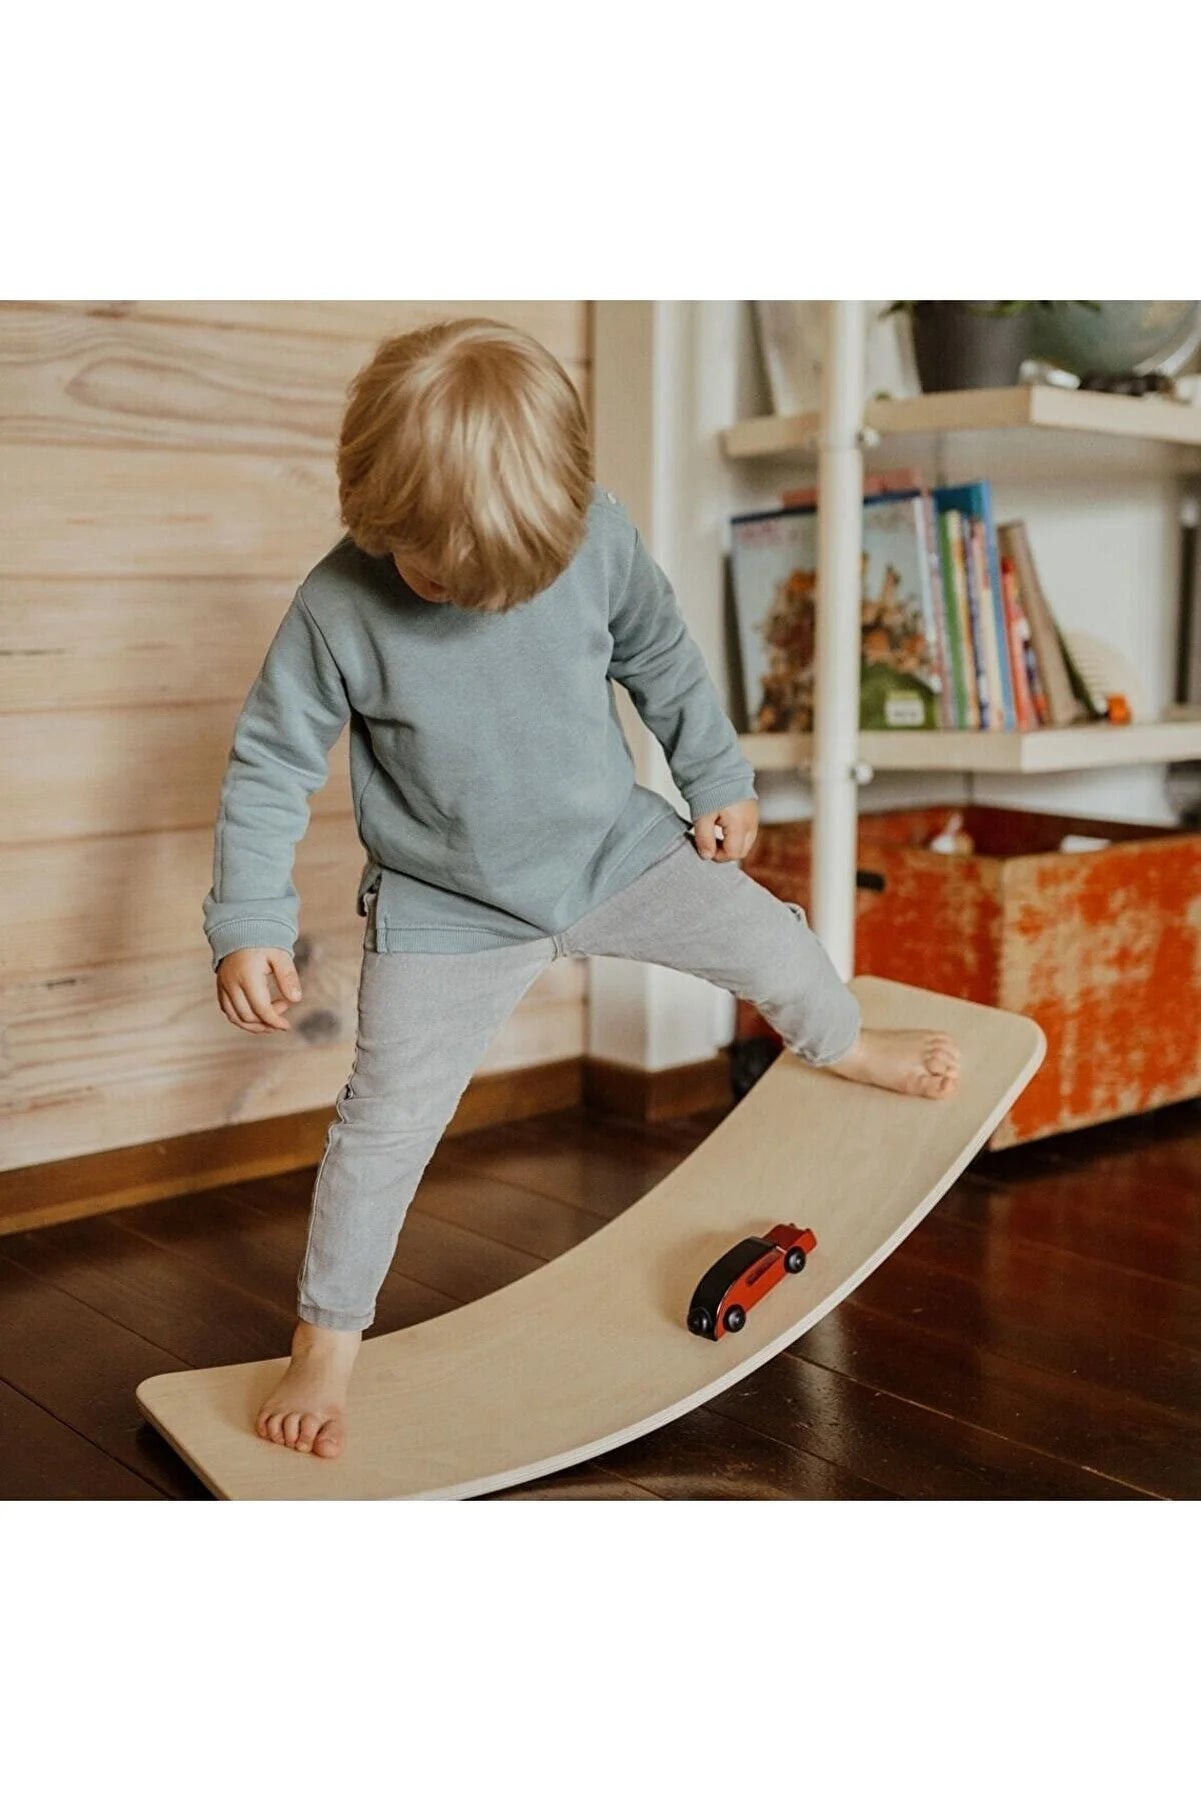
(464, 447)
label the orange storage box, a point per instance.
(1101, 947)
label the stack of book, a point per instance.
(956, 630)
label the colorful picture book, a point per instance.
(775, 585)
(956, 631)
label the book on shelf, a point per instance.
(946, 694)
(997, 677)
(956, 630)
(1029, 700)
(972, 501)
(774, 572)
(969, 681)
(1064, 705)
(959, 679)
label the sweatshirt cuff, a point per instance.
(720, 794)
(250, 934)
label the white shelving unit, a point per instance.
(982, 409)
(838, 756)
(1175, 738)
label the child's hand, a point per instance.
(739, 824)
(244, 992)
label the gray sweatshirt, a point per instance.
(493, 788)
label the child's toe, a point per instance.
(330, 1440)
(310, 1425)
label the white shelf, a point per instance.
(983, 409)
(1176, 738)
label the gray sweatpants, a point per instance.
(425, 1020)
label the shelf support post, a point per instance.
(838, 649)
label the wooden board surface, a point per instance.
(1149, 417)
(136, 1049)
(591, 1350)
(167, 477)
(562, 325)
(270, 377)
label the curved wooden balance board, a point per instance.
(592, 1350)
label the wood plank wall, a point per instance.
(166, 480)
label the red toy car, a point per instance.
(725, 1293)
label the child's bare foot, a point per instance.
(911, 1062)
(306, 1411)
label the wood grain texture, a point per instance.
(982, 409)
(590, 1352)
(173, 380)
(167, 478)
(46, 1461)
(75, 1362)
(1091, 1428)
(99, 380)
(137, 1049)
(916, 1452)
(72, 1188)
(155, 769)
(562, 325)
(122, 642)
(144, 892)
(70, 510)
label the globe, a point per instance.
(1120, 337)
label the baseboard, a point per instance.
(75, 1187)
(654, 1094)
(46, 1194)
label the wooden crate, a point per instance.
(1102, 947)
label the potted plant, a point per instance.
(972, 343)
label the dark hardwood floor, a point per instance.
(1039, 1336)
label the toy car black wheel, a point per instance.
(794, 1260)
(750, 1058)
(700, 1321)
(735, 1319)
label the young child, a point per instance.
(466, 627)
